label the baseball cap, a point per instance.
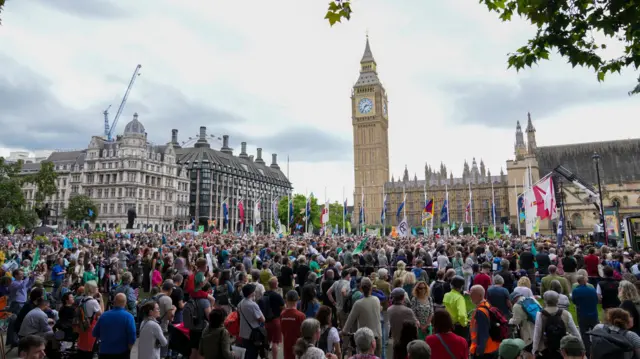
(511, 348)
(572, 345)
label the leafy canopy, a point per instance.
(13, 206)
(80, 207)
(569, 27)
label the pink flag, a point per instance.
(545, 199)
(241, 211)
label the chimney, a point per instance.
(259, 156)
(251, 158)
(202, 138)
(225, 145)
(274, 161)
(243, 150)
(174, 138)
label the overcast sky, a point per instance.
(274, 74)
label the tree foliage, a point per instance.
(80, 207)
(1, 8)
(13, 206)
(569, 27)
(45, 181)
(299, 204)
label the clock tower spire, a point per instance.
(369, 118)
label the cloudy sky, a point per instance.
(274, 74)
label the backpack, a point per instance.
(438, 292)
(348, 301)
(81, 322)
(323, 342)
(222, 294)
(531, 308)
(498, 324)
(554, 329)
(232, 324)
(384, 301)
(191, 316)
(607, 343)
(265, 306)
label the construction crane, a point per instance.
(109, 130)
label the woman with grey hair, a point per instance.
(309, 336)
(551, 309)
(563, 300)
(365, 343)
(382, 258)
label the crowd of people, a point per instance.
(187, 295)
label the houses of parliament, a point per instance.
(619, 170)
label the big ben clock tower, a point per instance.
(369, 117)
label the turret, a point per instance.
(531, 136)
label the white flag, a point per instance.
(256, 213)
(403, 228)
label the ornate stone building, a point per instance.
(369, 114)
(218, 175)
(437, 183)
(619, 174)
(129, 172)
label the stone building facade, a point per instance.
(370, 121)
(619, 174)
(217, 176)
(437, 184)
(129, 172)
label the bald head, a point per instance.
(120, 300)
(477, 294)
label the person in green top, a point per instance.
(456, 306)
(89, 273)
(313, 265)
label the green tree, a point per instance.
(81, 207)
(569, 27)
(13, 206)
(45, 181)
(335, 214)
(299, 204)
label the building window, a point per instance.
(576, 220)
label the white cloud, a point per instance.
(280, 66)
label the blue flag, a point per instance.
(225, 212)
(444, 213)
(383, 214)
(399, 210)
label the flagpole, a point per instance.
(324, 225)
(384, 214)
(344, 209)
(306, 215)
(362, 225)
(493, 207)
(424, 191)
(446, 193)
(471, 208)
(515, 190)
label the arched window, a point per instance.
(576, 220)
(616, 202)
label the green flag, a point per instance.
(534, 251)
(506, 229)
(453, 226)
(360, 246)
(200, 229)
(36, 259)
(348, 227)
(491, 233)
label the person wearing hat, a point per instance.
(511, 349)
(520, 318)
(572, 348)
(399, 313)
(418, 349)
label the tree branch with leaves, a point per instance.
(570, 27)
(81, 208)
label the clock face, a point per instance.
(384, 108)
(365, 105)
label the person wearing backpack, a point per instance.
(483, 344)
(125, 288)
(85, 317)
(195, 313)
(615, 340)
(525, 311)
(551, 325)
(271, 305)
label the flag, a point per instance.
(383, 213)
(401, 207)
(11, 228)
(536, 227)
(403, 228)
(444, 212)
(225, 212)
(291, 210)
(36, 259)
(521, 214)
(493, 212)
(560, 233)
(491, 233)
(467, 213)
(361, 245)
(534, 251)
(414, 232)
(348, 227)
(427, 212)
(453, 226)
(344, 209)
(274, 211)
(505, 229)
(256, 212)
(324, 218)
(545, 199)
(308, 207)
(362, 208)
(241, 211)
(461, 229)
(90, 213)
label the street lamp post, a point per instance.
(596, 160)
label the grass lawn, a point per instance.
(572, 308)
